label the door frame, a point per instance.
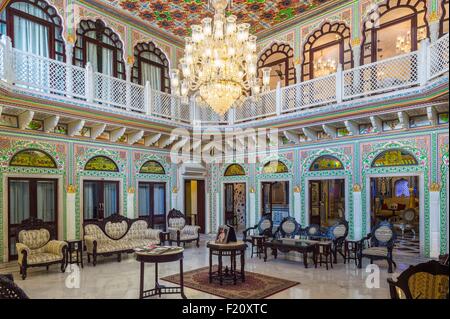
(93, 178)
(262, 180)
(307, 195)
(60, 206)
(221, 217)
(421, 188)
(166, 200)
(183, 190)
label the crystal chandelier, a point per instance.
(324, 67)
(219, 63)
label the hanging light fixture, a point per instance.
(220, 62)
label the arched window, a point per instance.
(101, 163)
(394, 157)
(443, 27)
(34, 26)
(32, 158)
(151, 64)
(100, 46)
(280, 58)
(392, 28)
(401, 188)
(326, 163)
(152, 167)
(234, 170)
(325, 49)
(275, 167)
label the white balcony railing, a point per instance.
(57, 80)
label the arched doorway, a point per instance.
(280, 58)
(235, 196)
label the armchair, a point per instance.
(9, 290)
(263, 228)
(313, 231)
(35, 247)
(407, 221)
(179, 231)
(381, 244)
(288, 228)
(424, 281)
(337, 234)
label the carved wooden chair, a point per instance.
(424, 281)
(288, 228)
(381, 244)
(314, 231)
(9, 290)
(337, 234)
(179, 230)
(263, 228)
(35, 247)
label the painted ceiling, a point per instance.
(175, 17)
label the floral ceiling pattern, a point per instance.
(176, 16)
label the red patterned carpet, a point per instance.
(256, 286)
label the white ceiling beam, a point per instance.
(432, 115)
(329, 130)
(377, 123)
(403, 118)
(352, 127)
(135, 137)
(292, 136)
(50, 123)
(166, 140)
(116, 134)
(97, 130)
(310, 134)
(151, 139)
(75, 127)
(25, 119)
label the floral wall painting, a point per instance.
(32, 158)
(394, 157)
(152, 167)
(275, 167)
(234, 170)
(326, 162)
(101, 163)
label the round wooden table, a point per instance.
(227, 274)
(170, 255)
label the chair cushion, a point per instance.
(137, 230)
(177, 222)
(95, 231)
(116, 230)
(188, 236)
(189, 230)
(35, 238)
(265, 224)
(288, 227)
(423, 285)
(339, 231)
(40, 258)
(375, 251)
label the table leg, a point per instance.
(141, 283)
(182, 280)
(210, 266)
(243, 265)
(315, 256)
(233, 266)
(265, 253)
(158, 290)
(305, 258)
(81, 255)
(220, 269)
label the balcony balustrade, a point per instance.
(48, 78)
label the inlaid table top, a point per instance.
(228, 246)
(158, 251)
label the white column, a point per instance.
(434, 31)
(174, 199)
(356, 55)
(357, 214)
(69, 74)
(130, 205)
(8, 66)
(434, 221)
(297, 205)
(252, 208)
(217, 212)
(70, 213)
(279, 99)
(128, 67)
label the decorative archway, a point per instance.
(39, 12)
(325, 163)
(97, 34)
(101, 163)
(280, 58)
(152, 167)
(234, 170)
(405, 20)
(330, 42)
(344, 172)
(275, 167)
(444, 20)
(32, 158)
(394, 157)
(151, 64)
(421, 170)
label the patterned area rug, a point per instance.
(256, 286)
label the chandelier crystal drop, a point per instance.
(220, 62)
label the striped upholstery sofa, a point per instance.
(116, 235)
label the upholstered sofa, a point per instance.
(35, 247)
(116, 235)
(179, 232)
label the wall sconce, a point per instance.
(175, 190)
(131, 190)
(252, 190)
(297, 189)
(71, 189)
(356, 188)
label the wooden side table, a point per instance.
(325, 252)
(227, 274)
(258, 242)
(351, 250)
(164, 237)
(74, 247)
(170, 254)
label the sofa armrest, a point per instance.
(152, 234)
(191, 229)
(174, 233)
(90, 242)
(55, 247)
(22, 251)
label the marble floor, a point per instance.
(111, 279)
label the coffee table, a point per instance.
(301, 246)
(227, 274)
